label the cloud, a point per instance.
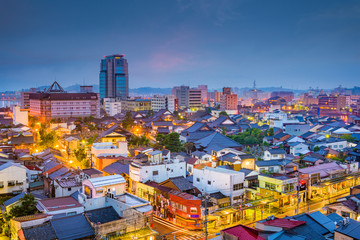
(164, 62)
(218, 12)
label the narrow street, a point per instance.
(172, 231)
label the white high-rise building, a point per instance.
(112, 106)
(163, 102)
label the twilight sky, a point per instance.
(294, 44)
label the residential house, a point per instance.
(296, 129)
(60, 207)
(13, 178)
(279, 186)
(66, 186)
(228, 182)
(275, 166)
(274, 154)
(298, 148)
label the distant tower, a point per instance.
(114, 77)
(254, 85)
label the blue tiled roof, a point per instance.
(50, 165)
(14, 199)
(217, 141)
(323, 220)
(352, 229)
(310, 159)
(117, 168)
(58, 173)
(266, 163)
(102, 215)
(73, 227)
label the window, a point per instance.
(1, 184)
(198, 179)
(270, 186)
(238, 186)
(69, 189)
(345, 214)
(193, 210)
(71, 213)
(155, 173)
(11, 183)
(209, 182)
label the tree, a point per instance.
(173, 142)
(271, 132)
(80, 154)
(128, 121)
(150, 113)
(27, 207)
(223, 113)
(316, 149)
(348, 138)
(189, 146)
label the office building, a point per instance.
(136, 105)
(182, 94)
(114, 77)
(332, 102)
(163, 102)
(194, 98)
(204, 93)
(25, 101)
(56, 103)
(229, 102)
(112, 106)
(86, 89)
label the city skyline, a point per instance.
(293, 45)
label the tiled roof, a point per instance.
(102, 215)
(107, 180)
(182, 184)
(68, 183)
(40, 232)
(56, 204)
(352, 229)
(243, 232)
(91, 171)
(74, 227)
(284, 223)
(117, 168)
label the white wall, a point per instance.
(15, 172)
(165, 171)
(219, 181)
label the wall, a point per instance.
(13, 173)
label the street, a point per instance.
(171, 231)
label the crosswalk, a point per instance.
(179, 232)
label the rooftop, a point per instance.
(56, 204)
(107, 180)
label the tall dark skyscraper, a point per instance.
(114, 77)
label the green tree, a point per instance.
(316, 149)
(128, 121)
(80, 154)
(173, 142)
(348, 138)
(223, 113)
(189, 146)
(271, 132)
(26, 207)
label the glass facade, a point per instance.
(114, 77)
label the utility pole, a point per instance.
(297, 193)
(206, 213)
